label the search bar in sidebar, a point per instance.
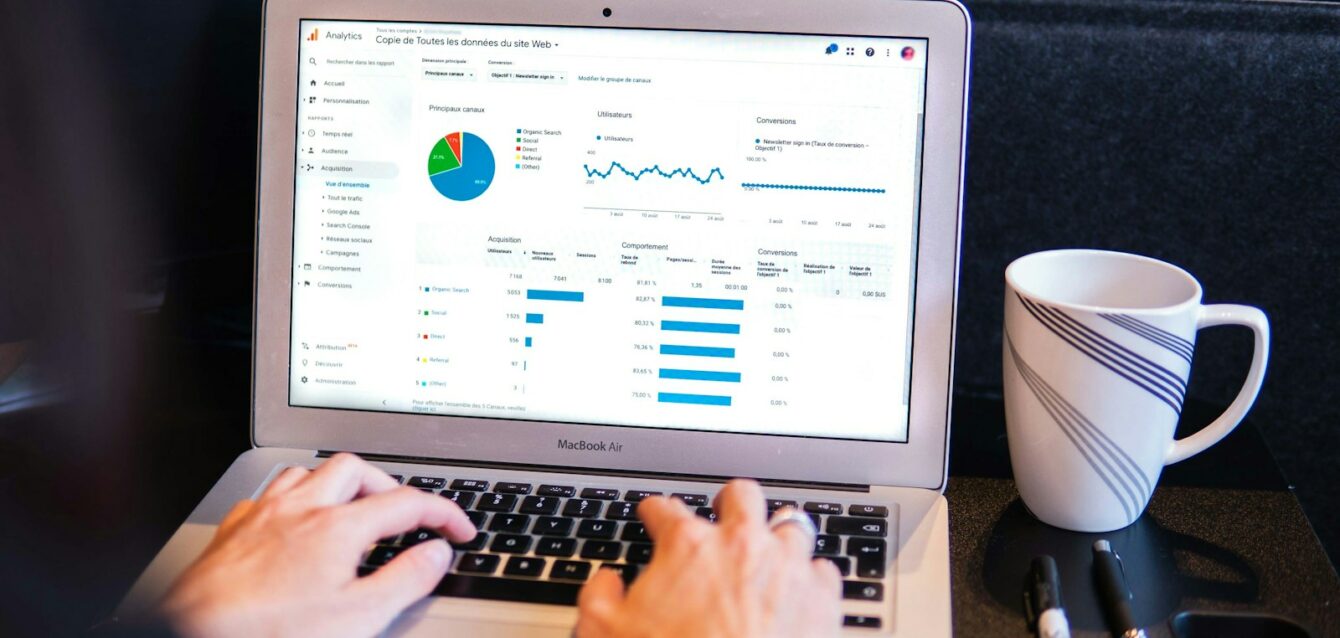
(360, 65)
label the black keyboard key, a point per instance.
(470, 485)
(510, 589)
(627, 572)
(639, 553)
(583, 508)
(637, 496)
(427, 482)
(870, 554)
(601, 493)
(417, 536)
(692, 500)
(594, 528)
(570, 570)
(852, 526)
(556, 546)
(856, 590)
(524, 566)
(602, 550)
(381, 555)
(463, 499)
(564, 491)
(635, 532)
(510, 544)
(552, 526)
(622, 511)
(775, 504)
(398, 478)
(878, 511)
(494, 502)
(512, 488)
(864, 622)
(478, 563)
(823, 508)
(539, 505)
(510, 523)
(477, 518)
(475, 544)
(842, 562)
(707, 513)
(827, 545)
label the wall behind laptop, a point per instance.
(1203, 133)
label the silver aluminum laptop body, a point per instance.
(881, 444)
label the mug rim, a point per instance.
(1194, 299)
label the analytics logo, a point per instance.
(316, 35)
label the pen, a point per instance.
(1042, 596)
(1110, 580)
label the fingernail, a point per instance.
(438, 554)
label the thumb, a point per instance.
(403, 581)
(598, 603)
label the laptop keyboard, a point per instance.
(540, 542)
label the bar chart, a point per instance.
(707, 334)
(537, 318)
(704, 385)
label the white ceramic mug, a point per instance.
(1097, 351)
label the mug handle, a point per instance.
(1218, 315)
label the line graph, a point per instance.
(655, 169)
(807, 187)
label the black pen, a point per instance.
(1110, 579)
(1042, 596)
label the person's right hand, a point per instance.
(735, 579)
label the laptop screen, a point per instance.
(643, 228)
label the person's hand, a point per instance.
(736, 578)
(287, 562)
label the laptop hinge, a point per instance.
(561, 469)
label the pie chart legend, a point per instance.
(461, 166)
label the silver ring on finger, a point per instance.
(792, 516)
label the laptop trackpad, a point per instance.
(439, 617)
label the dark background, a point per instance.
(1203, 133)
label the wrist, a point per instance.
(192, 614)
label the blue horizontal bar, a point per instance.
(702, 302)
(696, 399)
(527, 342)
(534, 317)
(555, 295)
(701, 326)
(698, 351)
(700, 375)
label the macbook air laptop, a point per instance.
(547, 258)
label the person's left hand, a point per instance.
(287, 562)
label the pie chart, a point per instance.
(460, 166)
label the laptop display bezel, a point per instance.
(919, 462)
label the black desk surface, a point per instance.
(1223, 532)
